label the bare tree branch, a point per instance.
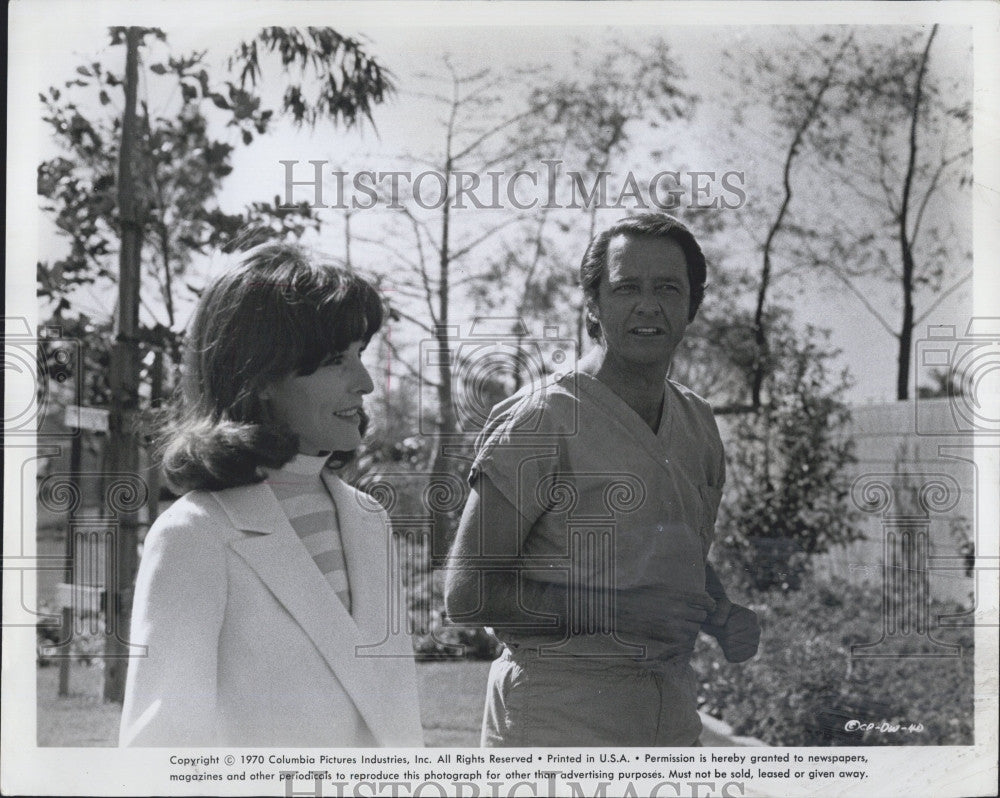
(942, 296)
(406, 364)
(465, 250)
(422, 262)
(395, 251)
(413, 320)
(942, 166)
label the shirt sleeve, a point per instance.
(519, 450)
(711, 493)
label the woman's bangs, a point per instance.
(352, 313)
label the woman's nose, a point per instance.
(363, 380)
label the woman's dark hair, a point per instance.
(656, 225)
(280, 312)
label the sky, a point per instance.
(408, 124)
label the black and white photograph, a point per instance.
(501, 398)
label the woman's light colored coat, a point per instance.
(246, 643)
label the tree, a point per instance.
(596, 112)
(443, 240)
(717, 356)
(180, 171)
(872, 169)
(434, 237)
(155, 190)
(798, 83)
(910, 127)
(915, 98)
(179, 165)
(586, 121)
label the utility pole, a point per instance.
(123, 444)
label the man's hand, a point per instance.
(739, 635)
(661, 614)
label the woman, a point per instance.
(263, 587)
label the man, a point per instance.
(593, 502)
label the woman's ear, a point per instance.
(593, 314)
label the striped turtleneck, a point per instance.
(311, 511)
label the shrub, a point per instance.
(787, 495)
(804, 685)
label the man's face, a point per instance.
(642, 301)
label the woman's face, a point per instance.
(324, 408)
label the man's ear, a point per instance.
(593, 312)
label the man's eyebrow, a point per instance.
(631, 279)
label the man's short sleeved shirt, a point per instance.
(605, 501)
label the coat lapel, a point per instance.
(281, 561)
(365, 553)
(383, 645)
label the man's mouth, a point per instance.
(647, 332)
(350, 414)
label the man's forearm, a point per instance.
(503, 600)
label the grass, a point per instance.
(451, 703)
(452, 694)
(81, 719)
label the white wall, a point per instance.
(914, 444)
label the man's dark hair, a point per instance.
(655, 225)
(280, 312)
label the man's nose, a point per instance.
(648, 304)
